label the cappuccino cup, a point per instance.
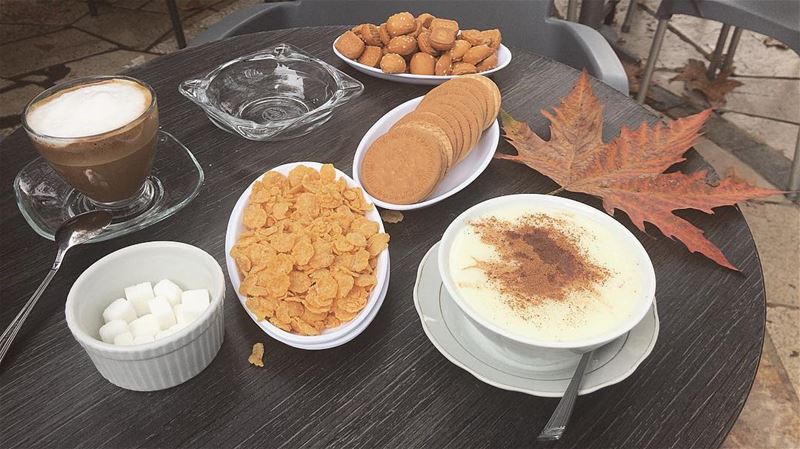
(99, 134)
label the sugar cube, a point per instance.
(138, 295)
(111, 329)
(141, 339)
(194, 303)
(119, 309)
(179, 315)
(124, 339)
(168, 290)
(162, 310)
(145, 325)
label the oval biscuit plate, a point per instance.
(503, 59)
(459, 177)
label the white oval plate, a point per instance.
(459, 177)
(503, 59)
(329, 337)
(452, 334)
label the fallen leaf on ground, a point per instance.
(695, 76)
(772, 42)
(628, 172)
(391, 216)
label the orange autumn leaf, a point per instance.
(628, 172)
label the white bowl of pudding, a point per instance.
(543, 278)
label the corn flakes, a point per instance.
(308, 254)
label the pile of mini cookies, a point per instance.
(425, 45)
(405, 165)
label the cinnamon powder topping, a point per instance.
(538, 260)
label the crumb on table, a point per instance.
(257, 356)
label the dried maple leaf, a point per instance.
(695, 75)
(628, 172)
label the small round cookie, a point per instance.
(459, 48)
(402, 166)
(442, 38)
(477, 54)
(403, 45)
(488, 63)
(467, 87)
(422, 64)
(350, 45)
(370, 34)
(443, 65)
(425, 19)
(400, 24)
(463, 68)
(494, 36)
(456, 120)
(475, 37)
(371, 56)
(445, 23)
(393, 63)
(424, 43)
(491, 87)
(436, 131)
(384, 35)
(451, 129)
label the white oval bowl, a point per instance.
(168, 361)
(458, 178)
(503, 59)
(516, 345)
(329, 337)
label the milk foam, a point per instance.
(89, 110)
(579, 316)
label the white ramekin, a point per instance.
(168, 361)
(329, 338)
(542, 352)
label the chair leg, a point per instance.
(177, 27)
(716, 57)
(572, 10)
(727, 64)
(92, 8)
(652, 58)
(794, 175)
(626, 25)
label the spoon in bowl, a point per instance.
(75, 231)
(558, 421)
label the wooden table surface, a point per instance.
(389, 387)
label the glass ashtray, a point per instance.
(277, 93)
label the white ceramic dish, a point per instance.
(519, 347)
(455, 336)
(168, 361)
(503, 59)
(330, 337)
(459, 177)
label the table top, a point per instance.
(389, 386)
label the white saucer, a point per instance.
(456, 338)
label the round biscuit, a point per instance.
(457, 120)
(402, 167)
(436, 131)
(451, 130)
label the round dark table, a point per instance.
(389, 387)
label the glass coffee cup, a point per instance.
(99, 134)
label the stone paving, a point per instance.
(43, 42)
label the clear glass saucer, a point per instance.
(46, 200)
